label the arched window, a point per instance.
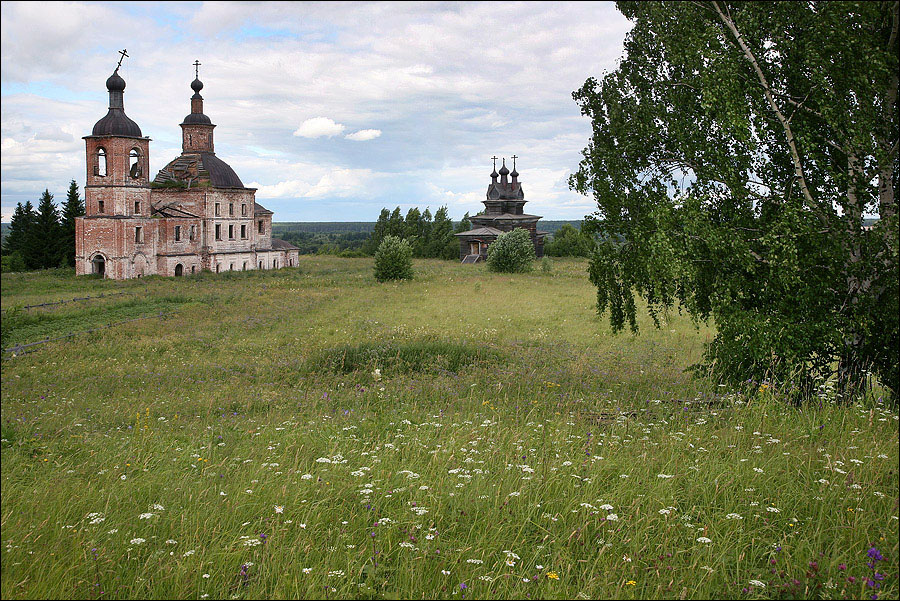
(179, 270)
(101, 162)
(134, 163)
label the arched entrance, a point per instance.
(99, 266)
(179, 270)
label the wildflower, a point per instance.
(279, 509)
(665, 476)
(552, 575)
(703, 539)
(171, 542)
(758, 583)
(612, 517)
(463, 586)
(445, 572)
(606, 507)
(630, 583)
(664, 512)
(206, 575)
(733, 516)
(307, 570)
(138, 541)
(773, 510)
(146, 516)
(157, 507)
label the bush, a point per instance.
(393, 260)
(511, 252)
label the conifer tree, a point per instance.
(43, 244)
(20, 231)
(72, 208)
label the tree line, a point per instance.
(43, 238)
(429, 236)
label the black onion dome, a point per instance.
(494, 172)
(504, 170)
(115, 83)
(197, 85)
(196, 119)
(514, 173)
(116, 123)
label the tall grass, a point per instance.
(507, 447)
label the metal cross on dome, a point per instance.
(197, 68)
(495, 162)
(124, 53)
(514, 157)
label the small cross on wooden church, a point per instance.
(197, 68)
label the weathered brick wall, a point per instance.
(263, 240)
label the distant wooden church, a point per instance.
(503, 212)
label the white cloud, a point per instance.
(410, 69)
(364, 134)
(318, 127)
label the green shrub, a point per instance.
(511, 252)
(393, 260)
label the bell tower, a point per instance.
(116, 190)
(197, 129)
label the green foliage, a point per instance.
(429, 237)
(72, 208)
(546, 265)
(511, 252)
(569, 242)
(736, 149)
(393, 260)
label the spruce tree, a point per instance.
(72, 208)
(20, 231)
(44, 242)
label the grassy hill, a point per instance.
(311, 433)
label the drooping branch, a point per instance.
(767, 89)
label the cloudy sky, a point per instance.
(332, 110)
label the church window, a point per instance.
(218, 267)
(275, 264)
(260, 264)
(231, 232)
(243, 232)
(245, 266)
(231, 209)
(218, 231)
(137, 207)
(192, 232)
(231, 268)
(138, 234)
(193, 269)
(244, 210)
(101, 162)
(177, 233)
(261, 229)
(100, 206)
(217, 209)
(134, 163)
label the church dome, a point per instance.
(196, 119)
(116, 122)
(197, 85)
(199, 169)
(115, 83)
(503, 169)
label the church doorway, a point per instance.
(474, 247)
(179, 270)
(99, 265)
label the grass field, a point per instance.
(309, 432)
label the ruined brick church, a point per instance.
(196, 214)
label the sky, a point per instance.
(332, 111)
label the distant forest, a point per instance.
(348, 238)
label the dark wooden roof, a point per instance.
(197, 168)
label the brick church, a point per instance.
(196, 214)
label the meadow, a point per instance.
(310, 433)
